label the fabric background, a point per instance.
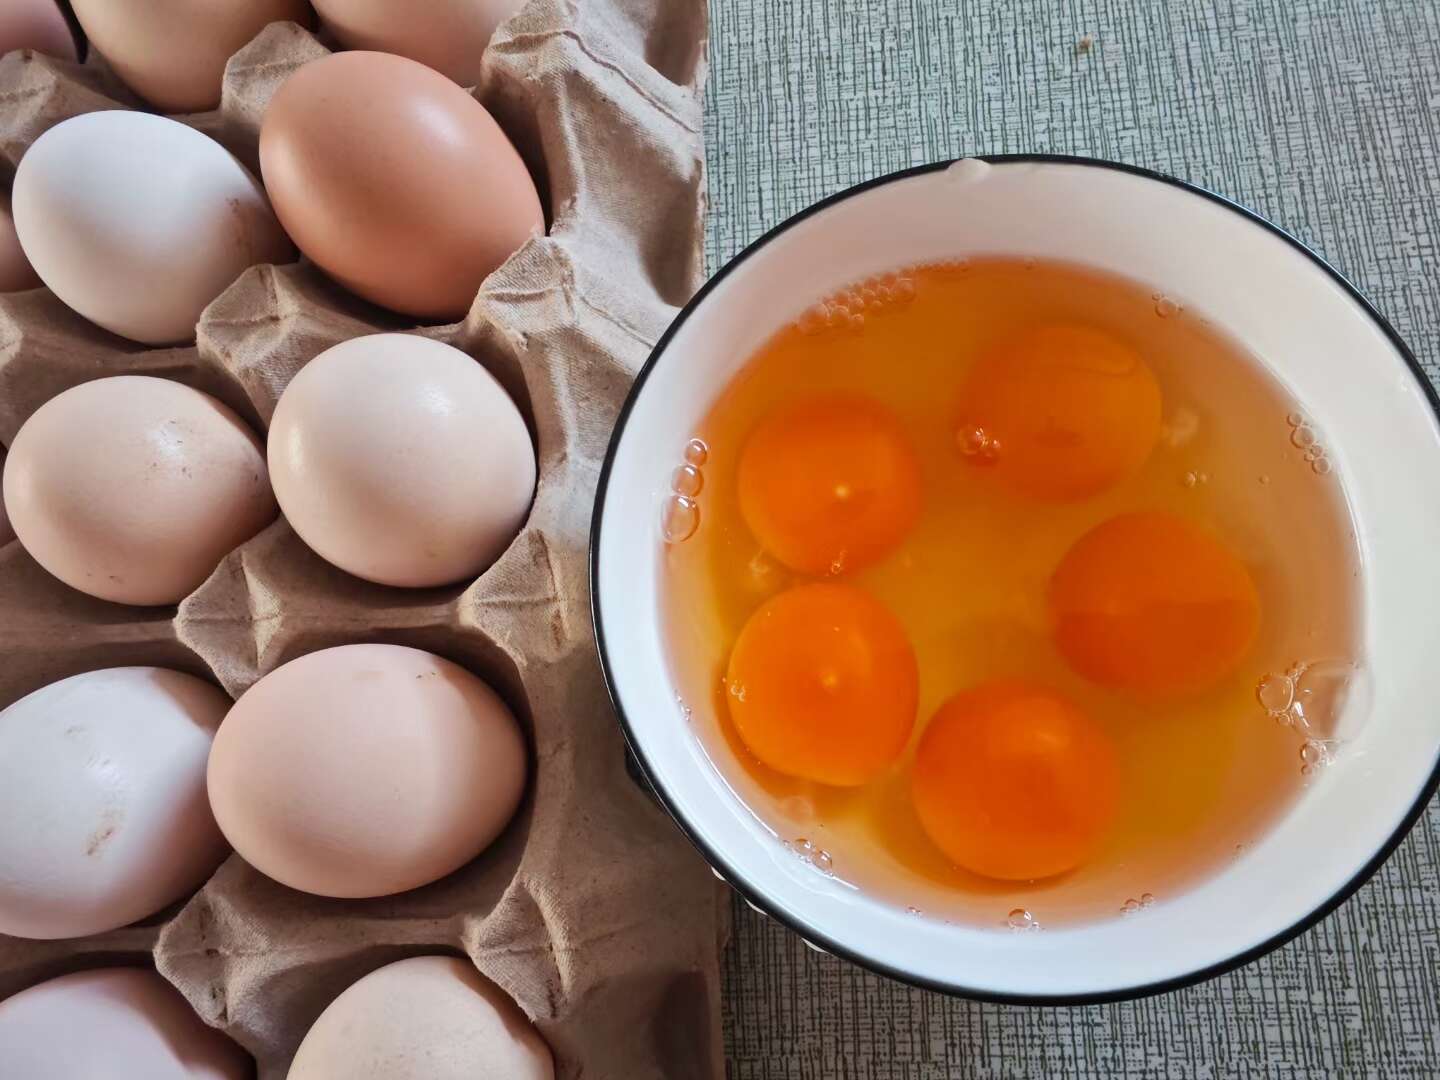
(1323, 115)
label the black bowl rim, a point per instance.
(728, 873)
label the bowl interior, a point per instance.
(1293, 313)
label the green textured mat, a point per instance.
(1323, 116)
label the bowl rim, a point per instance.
(721, 866)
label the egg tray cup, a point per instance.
(591, 911)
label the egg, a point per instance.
(133, 488)
(173, 52)
(401, 460)
(38, 25)
(138, 222)
(6, 532)
(395, 181)
(116, 1023)
(426, 1018)
(16, 273)
(447, 35)
(103, 813)
(366, 770)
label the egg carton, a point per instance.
(590, 911)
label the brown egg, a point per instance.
(395, 181)
(38, 25)
(447, 35)
(16, 273)
(133, 488)
(173, 52)
(365, 770)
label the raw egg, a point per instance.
(103, 813)
(133, 488)
(823, 684)
(117, 1023)
(401, 460)
(1153, 603)
(366, 770)
(1014, 782)
(173, 52)
(447, 35)
(138, 222)
(1059, 412)
(829, 485)
(425, 1018)
(395, 181)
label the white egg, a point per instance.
(104, 817)
(426, 1018)
(138, 222)
(116, 1023)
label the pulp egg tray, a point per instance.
(591, 910)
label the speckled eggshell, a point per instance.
(173, 52)
(115, 1024)
(447, 35)
(16, 273)
(137, 222)
(103, 812)
(395, 182)
(38, 25)
(401, 460)
(133, 489)
(427, 1018)
(366, 770)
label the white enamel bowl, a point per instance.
(1318, 336)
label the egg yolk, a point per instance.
(1059, 412)
(830, 484)
(823, 684)
(1014, 782)
(1153, 603)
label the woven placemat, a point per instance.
(1323, 115)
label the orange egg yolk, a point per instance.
(1059, 412)
(1014, 782)
(1153, 603)
(830, 484)
(823, 684)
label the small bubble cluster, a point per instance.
(1303, 437)
(1165, 306)
(734, 689)
(978, 445)
(817, 857)
(680, 513)
(685, 711)
(1021, 921)
(1311, 695)
(1315, 754)
(846, 309)
(1195, 479)
(913, 910)
(1133, 906)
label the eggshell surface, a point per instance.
(16, 273)
(103, 813)
(115, 1024)
(138, 222)
(447, 35)
(401, 460)
(395, 181)
(366, 770)
(173, 52)
(132, 488)
(38, 25)
(6, 532)
(426, 1018)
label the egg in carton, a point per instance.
(589, 911)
